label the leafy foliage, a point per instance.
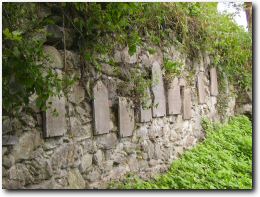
(222, 161)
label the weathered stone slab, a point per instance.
(9, 140)
(201, 88)
(213, 82)
(146, 111)
(174, 98)
(107, 141)
(182, 82)
(187, 104)
(126, 117)
(101, 108)
(77, 95)
(55, 124)
(159, 104)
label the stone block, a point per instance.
(159, 103)
(77, 95)
(101, 109)
(187, 104)
(145, 108)
(75, 180)
(9, 140)
(106, 141)
(126, 117)
(182, 82)
(174, 98)
(213, 82)
(54, 58)
(201, 88)
(55, 124)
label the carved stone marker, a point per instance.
(101, 109)
(146, 111)
(201, 88)
(54, 124)
(213, 82)
(126, 117)
(174, 98)
(159, 103)
(186, 104)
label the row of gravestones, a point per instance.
(178, 102)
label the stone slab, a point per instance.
(201, 88)
(159, 103)
(9, 140)
(213, 82)
(145, 108)
(187, 104)
(101, 108)
(182, 82)
(55, 124)
(126, 117)
(174, 98)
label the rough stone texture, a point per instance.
(101, 109)
(77, 95)
(174, 98)
(126, 117)
(86, 162)
(54, 57)
(107, 141)
(159, 102)
(126, 57)
(213, 82)
(9, 140)
(28, 142)
(75, 180)
(145, 109)
(187, 104)
(55, 125)
(201, 88)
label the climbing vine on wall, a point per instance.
(102, 27)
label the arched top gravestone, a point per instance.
(187, 104)
(101, 108)
(146, 111)
(54, 124)
(126, 117)
(159, 103)
(174, 97)
(213, 82)
(201, 88)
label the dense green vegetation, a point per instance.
(101, 27)
(222, 161)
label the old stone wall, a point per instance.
(101, 133)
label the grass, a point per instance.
(222, 161)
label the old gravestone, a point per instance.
(145, 108)
(101, 109)
(201, 88)
(126, 117)
(159, 103)
(187, 104)
(213, 82)
(174, 97)
(54, 122)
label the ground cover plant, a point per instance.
(222, 161)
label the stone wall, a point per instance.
(100, 133)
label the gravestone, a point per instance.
(174, 98)
(54, 123)
(201, 88)
(187, 104)
(159, 103)
(213, 82)
(126, 117)
(146, 111)
(101, 109)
